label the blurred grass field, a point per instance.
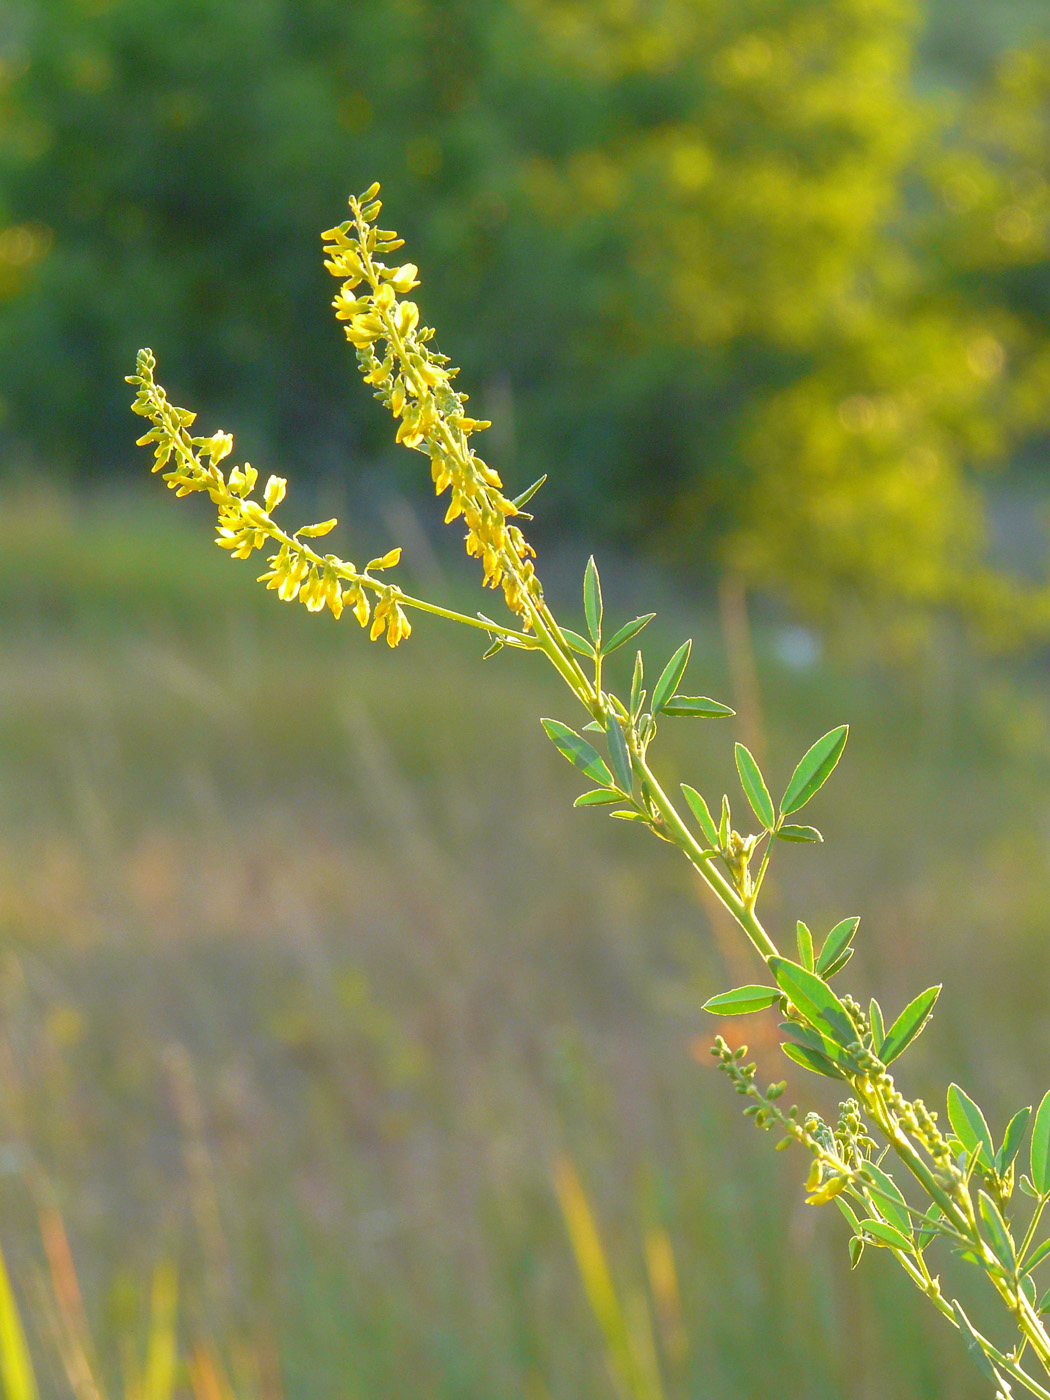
(311, 976)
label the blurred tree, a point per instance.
(765, 303)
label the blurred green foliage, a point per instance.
(742, 250)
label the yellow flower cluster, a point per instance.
(319, 581)
(414, 382)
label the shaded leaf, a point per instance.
(815, 999)
(742, 1000)
(856, 1249)
(578, 751)
(888, 1196)
(625, 634)
(999, 1236)
(814, 769)
(1037, 1256)
(968, 1124)
(530, 491)
(836, 942)
(700, 811)
(909, 1024)
(929, 1230)
(592, 600)
(496, 646)
(809, 1058)
(839, 963)
(619, 756)
(973, 1346)
(671, 676)
(698, 706)
(850, 1214)
(798, 833)
(754, 786)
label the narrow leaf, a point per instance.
(1043, 1306)
(812, 1059)
(888, 1197)
(792, 832)
(754, 786)
(805, 945)
(725, 823)
(878, 1027)
(671, 676)
(496, 646)
(1040, 1147)
(815, 768)
(835, 943)
(578, 643)
(969, 1126)
(973, 1346)
(850, 1214)
(1012, 1139)
(702, 815)
(909, 1024)
(630, 816)
(600, 797)
(578, 751)
(837, 966)
(1037, 1256)
(742, 1000)
(626, 633)
(929, 1230)
(815, 999)
(592, 600)
(619, 755)
(699, 706)
(821, 1043)
(856, 1249)
(637, 693)
(887, 1235)
(530, 491)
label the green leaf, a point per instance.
(578, 751)
(887, 1235)
(699, 706)
(1012, 1139)
(619, 756)
(671, 676)
(850, 1214)
(814, 770)
(742, 1000)
(1043, 1306)
(628, 816)
(812, 1059)
(821, 1043)
(527, 495)
(856, 1249)
(600, 797)
(578, 643)
(909, 1024)
(929, 1230)
(797, 833)
(837, 966)
(496, 646)
(999, 1236)
(1040, 1147)
(592, 600)
(725, 823)
(754, 786)
(973, 1346)
(804, 939)
(888, 1197)
(637, 693)
(836, 942)
(969, 1126)
(626, 633)
(815, 999)
(1037, 1256)
(878, 1027)
(702, 815)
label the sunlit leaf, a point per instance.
(578, 643)
(600, 797)
(699, 706)
(835, 943)
(815, 768)
(879, 1232)
(742, 1000)
(1040, 1147)
(578, 751)
(626, 633)
(619, 755)
(1012, 1139)
(670, 676)
(909, 1024)
(968, 1124)
(811, 1059)
(804, 939)
(815, 999)
(792, 832)
(700, 810)
(754, 786)
(888, 1196)
(592, 600)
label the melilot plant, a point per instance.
(903, 1182)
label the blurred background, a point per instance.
(334, 1043)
